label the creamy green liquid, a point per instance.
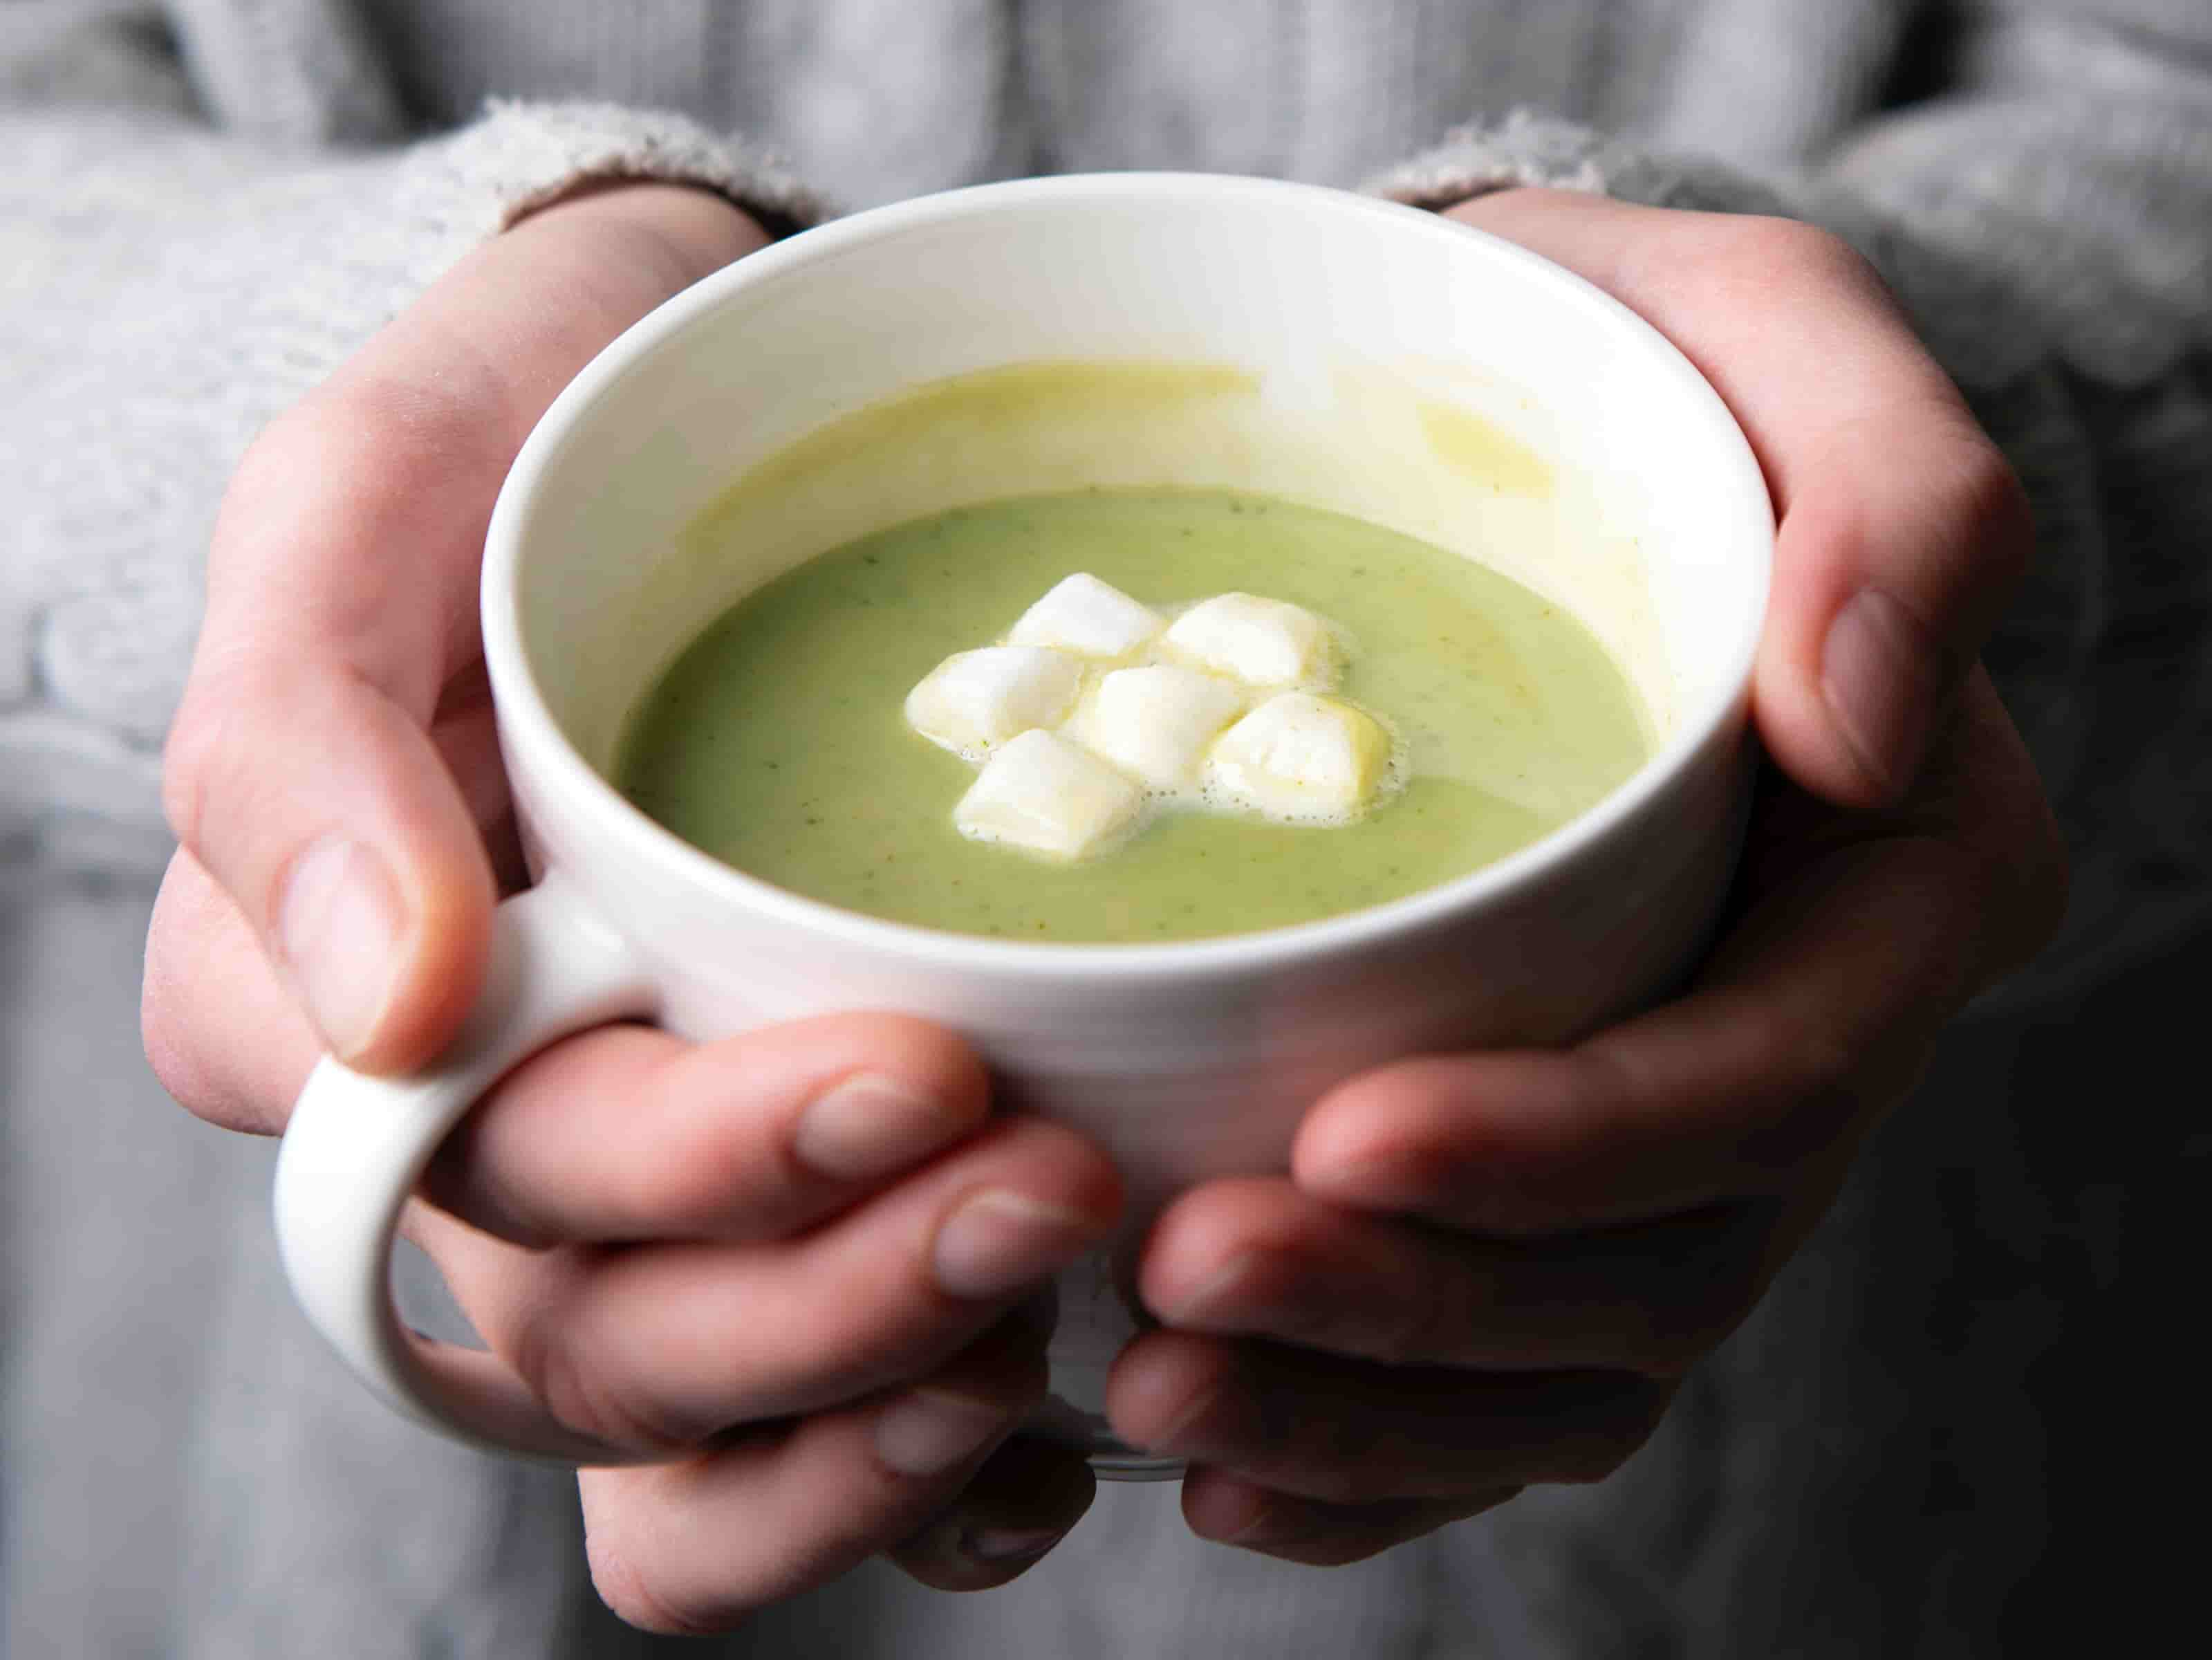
(777, 741)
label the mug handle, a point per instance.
(357, 1146)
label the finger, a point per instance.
(341, 599)
(1890, 574)
(1021, 1504)
(320, 805)
(1903, 531)
(690, 1549)
(1230, 1510)
(630, 1134)
(225, 1036)
(1258, 1257)
(1351, 1431)
(655, 1348)
(1818, 1015)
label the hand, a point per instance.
(1487, 1270)
(794, 1260)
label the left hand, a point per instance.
(1488, 1269)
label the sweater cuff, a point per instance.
(520, 157)
(1527, 149)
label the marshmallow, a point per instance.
(976, 699)
(1155, 722)
(1043, 792)
(1085, 616)
(1262, 642)
(1301, 757)
(1069, 747)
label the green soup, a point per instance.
(777, 743)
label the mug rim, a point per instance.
(528, 724)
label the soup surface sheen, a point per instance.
(776, 741)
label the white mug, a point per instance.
(1373, 338)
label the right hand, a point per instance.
(791, 1261)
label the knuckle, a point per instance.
(412, 426)
(1993, 506)
(1538, 1166)
(1805, 1071)
(193, 761)
(214, 766)
(464, 1181)
(265, 474)
(366, 449)
(376, 431)
(709, 1167)
(1768, 247)
(1419, 1326)
(590, 1401)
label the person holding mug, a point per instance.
(345, 830)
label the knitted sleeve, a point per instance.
(2048, 226)
(167, 285)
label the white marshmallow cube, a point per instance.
(1300, 758)
(1155, 722)
(1262, 642)
(1083, 614)
(976, 699)
(1050, 795)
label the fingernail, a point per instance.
(1205, 1304)
(1254, 1293)
(1178, 1437)
(869, 1126)
(339, 928)
(1263, 1531)
(1002, 1547)
(924, 1432)
(1879, 673)
(1000, 1241)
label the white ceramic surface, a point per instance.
(1184, 1060)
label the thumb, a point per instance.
(328, 816)
(1903, 534)
(300, 771)
(1903, 531)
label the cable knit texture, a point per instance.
(209, 204)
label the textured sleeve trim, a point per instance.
(522, 157)
(202, 285)
(1526, 149)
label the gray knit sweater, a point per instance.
(207, 205)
